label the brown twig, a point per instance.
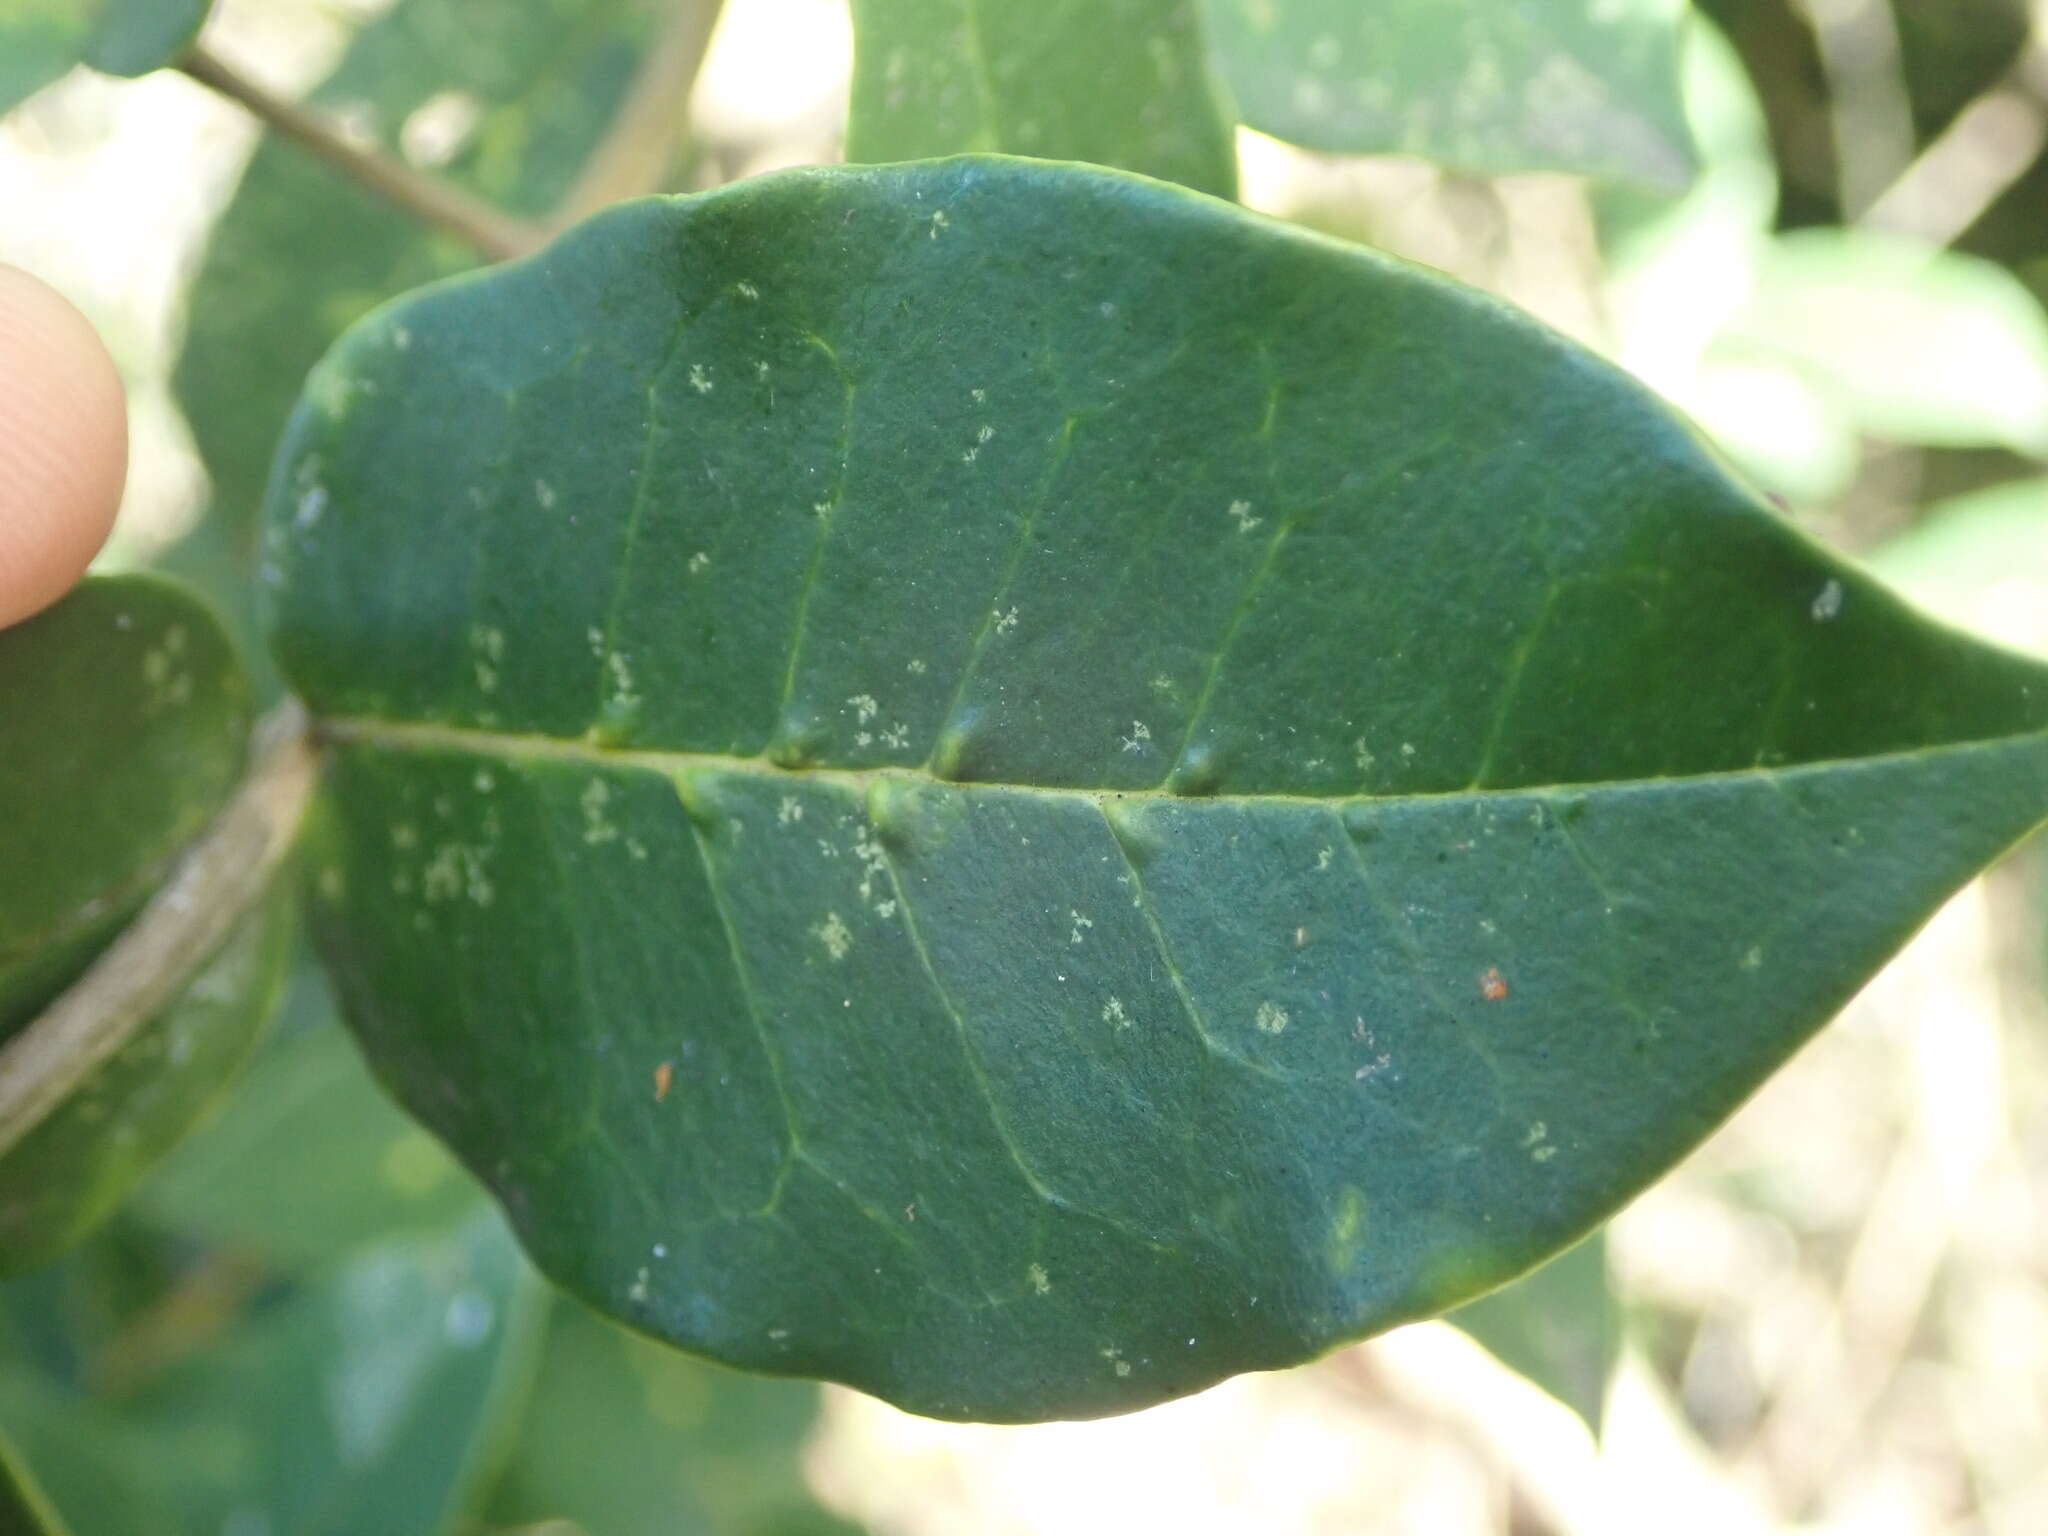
(636, 149)
(492, 231)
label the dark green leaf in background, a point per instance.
(505, 101)
(626, 1438)
(134, 37)
(1589, 86)
(1007, 784)
(310, 1158)
(1559, 1325)
(126, 724)
(1125, 83)
(125, 728)
(365, 1399)
(71, 1171)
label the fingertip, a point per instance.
(63, 444)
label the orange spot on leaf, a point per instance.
(1492, 985)
(664, 1078)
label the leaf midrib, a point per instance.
(430, 737)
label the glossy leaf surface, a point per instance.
(1011, 785)
(364, 1399)
(941, 77)
(1589, 86)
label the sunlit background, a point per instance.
(1837, 1310)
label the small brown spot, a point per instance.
(1492, 985)
(664, 1079)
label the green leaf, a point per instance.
(1125, 83)
(126, 725)
(310, 1158)
(1909, 342)
(125, 730)
(1558, 1325)
(1980, 561)
(624, 1437)
(1014, 786)
(69, 1173)
(43, 39)
(136, 36)
(365, 1400)
(505, 101)
(1589, 86)
(23, 1509)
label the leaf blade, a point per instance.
(1576, 87)
(940, 77)
(1440, 826)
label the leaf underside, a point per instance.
(941, 77)
(1585, 86)
(1016, 787)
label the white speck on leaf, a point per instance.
(1005, 622)
(700, 379)
(1271, 1018)
(1827, 606)
(1041, 1282)
(597, 825)
(834, 935)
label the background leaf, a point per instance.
(42, 39)
(1248, 772)
(1559, 1325)
(136, 36)
(126, 725)
(68, 1174)
(1915, 344)
(625, 1437)
(363, 1400)
(125, 729)
(941, 77)
(23, 1509)
(310, 1159)
(503, 101)
(1589, 86)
